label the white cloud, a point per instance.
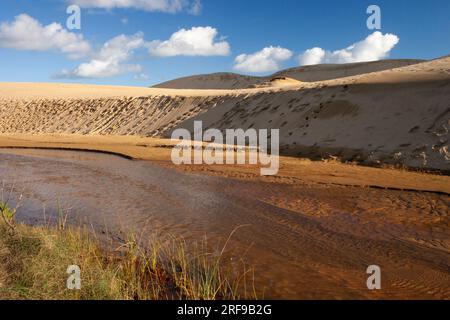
(266, 60)
(312, 56)
(375, 47)
(171, 6)
(110, 60)
(198, 41)
(26, 33)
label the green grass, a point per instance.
(34, 261)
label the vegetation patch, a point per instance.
(34, 262)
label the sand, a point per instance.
(397, 117)
(39, 91)
(292, 170)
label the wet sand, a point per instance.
(304, 237)
(292, 169)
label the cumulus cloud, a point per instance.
(198, 41)
(26, 33)
(171, 6)
(375, 47)
(266, 60)
(312, 56)
(110, 60)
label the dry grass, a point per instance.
(34, 262)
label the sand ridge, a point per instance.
(398, 116)
(302, 74)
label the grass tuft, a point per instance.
(34, 262)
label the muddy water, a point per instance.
(304, 240)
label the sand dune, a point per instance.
(305, 74)
(38, 91)
(278, 82)
(395, 116)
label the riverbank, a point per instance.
(292, 170)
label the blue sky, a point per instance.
(226, 35)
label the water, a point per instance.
(313, 242)
(121, 195)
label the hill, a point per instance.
(305, 74)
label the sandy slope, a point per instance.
(304, 74)
(396, 116)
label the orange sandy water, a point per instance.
(304, 239)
